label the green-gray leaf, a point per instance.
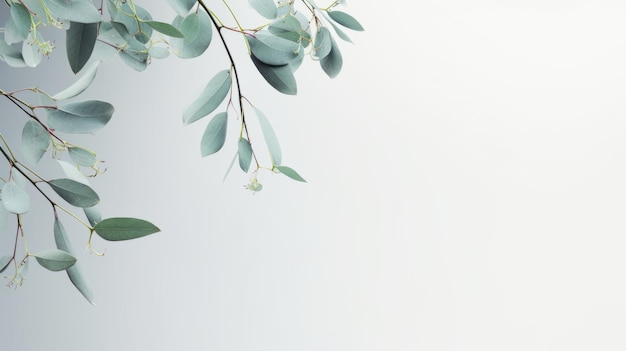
(345, 20)
(14, 198)
(289, 172)
(19, 24)
(116, 229)
(80, 40)
(182, 7)
(165, 28)
(214, 135)
(82, 156)
(271, 140)
(35, 141)
(322, 44)
(74, 272)
(266, 8)
(93, 215)
(82, 11)
(72, 172)
(244, 150)
(81, 84)
(55, 260)
(332, 63)
(80, 117)
(75, 193)
(279, 77)
(210, 98)
(198, 31)
(273, 50)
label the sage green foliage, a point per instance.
(96, 32)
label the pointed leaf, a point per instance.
(81, 84)
(210, 98)
(279, 77)
(332, 63)
(214, 135)
(289, 172)
(4, 262)
(197, 29)
(345, 20)
(14, 198)
(230, 166)
(80, 40)
(245, 154)
(265, 8)
(165, 28)
(74, 272)
(322, 44)
(93, 215)
(116, 229)
(273, 146)
(55, 260)
(35, 141)
(80, 117)
(75, 193)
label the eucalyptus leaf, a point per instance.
(72, 172)
(266, 8)
(81, 11)
(126, 16)
(14, 198)
(158, 52)
(182, 7)
(165, 28)
(198, 31)
(244, 150)
(210, 98)
(75, 193)
(35, 141)
(230, 166)
(332, 63)
(93, 215)
(323, 43)
(81, 84)
(82, 156)
(279, 77)
(18, 25)
(116, 229)
(289, 172)
(271, 49)
(345, 20)
(137, 60)
(4, 262)
(80, 40)
(74, 272)
(80, 117)
(10, 54)
(273, 146)
(214, 135)
(55, 260)
(31, 53)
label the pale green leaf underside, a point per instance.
(273, 146)
(81, 11)
(81, 156)
(182, 7)
(14, 198)
(198, 31)
(35, 141)
(74, 272)
(116, 229)
(72, 172)
(81, 84)
(265, 8)
(80, 117)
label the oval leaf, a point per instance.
(197, 29)
(55, 260)
(35, 141)
(345, 20)
(182, 7)
(14, 198)
(214, 135)
(80, 117)
(323, 43)
(75, 193)
(82, 156)
(210, 98)
(116, 229)
(74, 10)
(273, 50)
(74, 272)
(80, 40)
(289, 172)
(18, 25)
(244, 150)
(279, 77)
(80, 85)
(332, 63)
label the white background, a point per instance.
(466, 192)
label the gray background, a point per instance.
(466, 192)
